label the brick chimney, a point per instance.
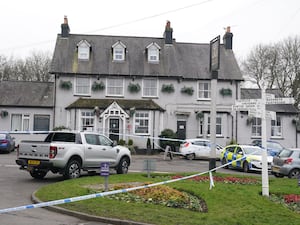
(227, 39)
(168, 34)
(65, 29)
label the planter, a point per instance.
(167, 88)
(98, 86)
(67, 85)
(3, 113)
(134, 88)
(187, 90)
(226, 92)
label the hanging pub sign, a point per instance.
(214, 59)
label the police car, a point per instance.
(250, 157)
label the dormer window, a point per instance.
(153, 53)
(119, 51)
(83, 50)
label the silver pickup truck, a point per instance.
(68, 153)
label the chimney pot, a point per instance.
(65, 29)
(227, 38)
(168, 34)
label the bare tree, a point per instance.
(278, 65)
(261, 64)
(33, 68)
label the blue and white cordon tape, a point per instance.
(102, 194)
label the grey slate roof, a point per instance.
(26, 94)
(126, 104)
(182, 60)
(253, 93)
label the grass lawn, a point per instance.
(227, 203)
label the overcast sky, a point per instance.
(32, 25)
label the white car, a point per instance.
(198, 148)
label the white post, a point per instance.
(264, 173)
(213, 113)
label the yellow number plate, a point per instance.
(34, 162)
(275, 169)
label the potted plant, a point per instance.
(4, 113)
(199, 115)
(167, 88)
(226, 92)
(98, 86)
(134, 88)
(187, 90)
(65, 85)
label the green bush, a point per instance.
(121, 142)
(130, 142)
(168, 133)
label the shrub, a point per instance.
(121, 142)
(170, 134)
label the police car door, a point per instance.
(239, 154)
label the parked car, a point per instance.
(287, 163)
(197, 148)
(68, 153)
(273, 147)
(7, 143)
(251, 157)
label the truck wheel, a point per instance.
(38, 174)
(72, 169)
(123, 166)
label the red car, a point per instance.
(7, 143)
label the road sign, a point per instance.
(280, 101)
(104, 169)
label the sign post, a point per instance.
(214, 66)
(257, 108)
(104, 172)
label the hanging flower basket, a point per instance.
(167, 88)
(98, 86)
(187, 90)
(226, 92)
(134, 88)
(250, 120)
(67, 85)
(199, 115)
(3, 114)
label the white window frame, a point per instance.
(219, 126)
(23, 123)
(256, 127)
(87, 120)
(150, 87)
(119, 51)
(153, 53)
(204, 90)
(115, 87)
(82, 86)
(276, 127)
(142, 122)
(83, 50)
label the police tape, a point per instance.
(103, 194)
